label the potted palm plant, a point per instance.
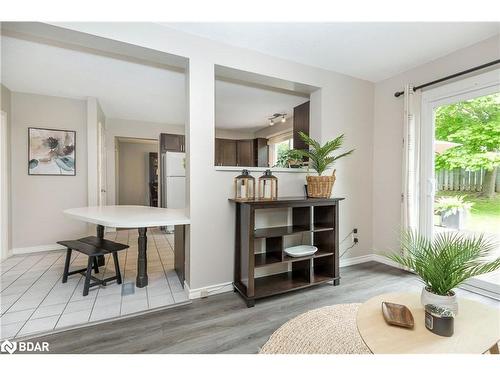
(445, 262)
(453, 211)
(320, 159)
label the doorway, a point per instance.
(137, 171)
(460, 162)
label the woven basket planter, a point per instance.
(320, 186)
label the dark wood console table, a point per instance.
(316, 216)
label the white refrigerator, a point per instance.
(174, 180)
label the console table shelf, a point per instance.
(318, 218)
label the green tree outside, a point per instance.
(475, 125)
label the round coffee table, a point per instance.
(477, 328)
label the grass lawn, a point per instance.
(485, 213)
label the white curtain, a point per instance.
(411, 158)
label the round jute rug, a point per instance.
(327, 330)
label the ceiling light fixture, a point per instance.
(277, 116)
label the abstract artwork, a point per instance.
(51, 152)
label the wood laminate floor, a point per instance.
(223, 324)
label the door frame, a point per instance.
(4, 187)
(101, 165)
(465, 89)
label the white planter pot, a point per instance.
(449, 302)
(455, 221)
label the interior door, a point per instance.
(101, 164)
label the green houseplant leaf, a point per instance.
(447, 206)
(320, 157)
(446, 261)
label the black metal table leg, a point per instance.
(100, 234)
(142, 261)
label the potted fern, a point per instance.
(445, 262)
(320, 159)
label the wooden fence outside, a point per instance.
(462, 180)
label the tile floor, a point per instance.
(33, 299)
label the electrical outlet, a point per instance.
(354, 236)
(203, 293)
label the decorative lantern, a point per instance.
(268, 186)
(244, 186)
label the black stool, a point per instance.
(93, 247)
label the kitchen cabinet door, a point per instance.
(261, 152)
(225, 152)
(245, 153)
(172, 142)
(300, 124)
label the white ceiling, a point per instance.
(248, 108)
(125, 90)
(128, 90)
(371, 51)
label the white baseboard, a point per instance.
(211, 289)
(355, 260)
(384, 260)
(36, 249)
(228, 286)
(368, 258)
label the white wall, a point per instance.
(134, 173)
(345, 104)
(388, 133)
(132, 129)
(38, 201)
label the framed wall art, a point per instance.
(51, 152)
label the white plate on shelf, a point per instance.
(301, 251)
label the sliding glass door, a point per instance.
(460, 159)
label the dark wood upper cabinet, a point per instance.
(300, 124)
(244, 153)
(261, 152)
(225, 152)
(172, 142)
(241, 152)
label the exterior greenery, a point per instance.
(484, 215)
(447, 206)
(446, 261)
(286, 157)
(475, 125)
(320, 157)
